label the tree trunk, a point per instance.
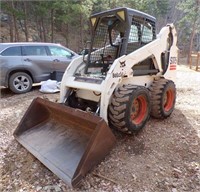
(80, 46)
(25, 22)
(15, 23)
(194, 27)
(43, 30)
(52, 25)
(11, 30)
(191, 41)
(65, 32)
(39, 28)
(66, 35)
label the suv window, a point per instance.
(34, 50)
(12, 51)
(59, 51)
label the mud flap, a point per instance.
(68, 141)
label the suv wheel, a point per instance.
(20, 82)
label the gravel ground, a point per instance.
(165, 156)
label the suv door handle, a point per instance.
(56, 60)
(27, 59)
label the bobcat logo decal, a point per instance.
(122, 63)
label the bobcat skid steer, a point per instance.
(127, 76)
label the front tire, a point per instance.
(20, 82)
(129, 109)
(163, 98)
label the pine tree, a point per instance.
(190, 22)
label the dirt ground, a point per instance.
(164, 156)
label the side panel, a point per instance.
(121, 70)
(173, 57)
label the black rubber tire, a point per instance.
(163, 98)
(129, 109)
(20, 82)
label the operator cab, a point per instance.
(115, 33)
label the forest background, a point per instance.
(67, 21)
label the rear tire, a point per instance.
(129, 109)
(163, 98)
(20, 82)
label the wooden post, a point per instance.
(190, 61)
(197, 56)
(197, 61)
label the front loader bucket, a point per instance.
(68, 141)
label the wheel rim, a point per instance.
(168, 100)
(21, 83)
(138, 110)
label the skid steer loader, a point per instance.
(127, 76)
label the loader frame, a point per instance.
(131, 65)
